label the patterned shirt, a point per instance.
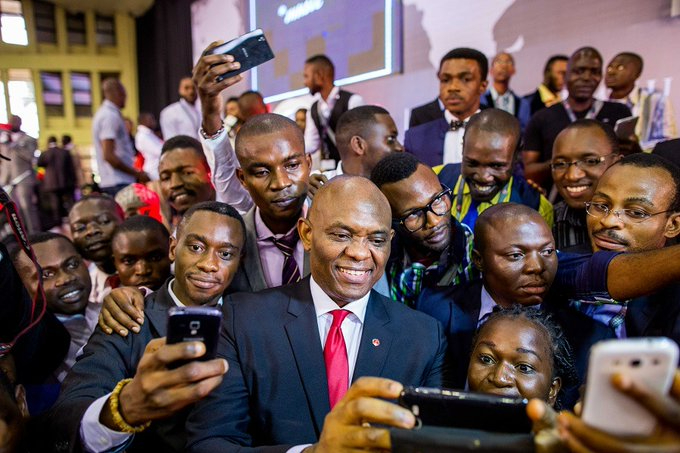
(454, 267)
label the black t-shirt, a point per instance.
(547, 123)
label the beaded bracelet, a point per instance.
(118, 419)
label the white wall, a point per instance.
(532, 29)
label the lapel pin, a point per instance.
(376, 342)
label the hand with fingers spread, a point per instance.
(157, 392)
(347, 426)
(204, 75)
(580, 438)
(122, 311)
(315, 182)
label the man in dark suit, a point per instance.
(515, 252)
(500, 95)
(278, 391)
(462, 80)
(59, 182)
(206, 251)
(427, 112)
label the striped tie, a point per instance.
(286, 244)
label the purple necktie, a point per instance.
(290, 272)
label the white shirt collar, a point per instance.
(323, 304)
(450, 117)
(179, 303)
(110, 104)
(487, 304)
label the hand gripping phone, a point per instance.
(648, 361)
(195, 324)
(251, 49)
(470, 410)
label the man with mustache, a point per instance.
(431, 248)
(515, 253)
(486, 176)
(93, 220)
(120, 384)
(184, 175)
(584, 73)
(582, 152)
(636, 208)
(462, 81)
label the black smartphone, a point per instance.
(251, 49)
(195, 324)
(469, 410)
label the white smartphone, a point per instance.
(650, 361)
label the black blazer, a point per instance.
(457, 308)
(275, 392)
(106, 360)
(426, 113)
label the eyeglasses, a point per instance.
(600, 211)
(440, 205)
(588, 162)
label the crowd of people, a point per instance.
(489, 252)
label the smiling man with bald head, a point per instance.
(294, 350)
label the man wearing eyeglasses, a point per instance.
(582, 152)
(431, 248)
(636, 208)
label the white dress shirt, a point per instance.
(312, 140)
(352, 327)
(223, 164)
(150, 146)
(505, 101)
(108, 124)
(180, 118)
(453, 140)
(96, 437)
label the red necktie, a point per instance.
(335, 356)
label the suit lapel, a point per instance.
(302, 330)
(252, 265)
(376, 339)
(156, 312)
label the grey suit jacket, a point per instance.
(250, 276)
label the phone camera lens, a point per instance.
(635, 363)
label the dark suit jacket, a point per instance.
(670, 149)
(535, 102)
(655, 315)
(426, 141)
(106, 360)
(276, 390)
(457, 308)
(250, 276)
(59, 170)
(425, 113)
(522, 109)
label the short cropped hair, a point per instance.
(323, 62)
(141, 223)
(394, 167)
(587, 123)
(637, 61)
(37, 238)
(102, 197)
(213, 206)
(645, 160)
(182, 141)
(467, 53)
(357, 121)
(265, 124)
(552, 60)
(495, 120)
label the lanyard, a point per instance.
(592, 112)
(458, 201)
